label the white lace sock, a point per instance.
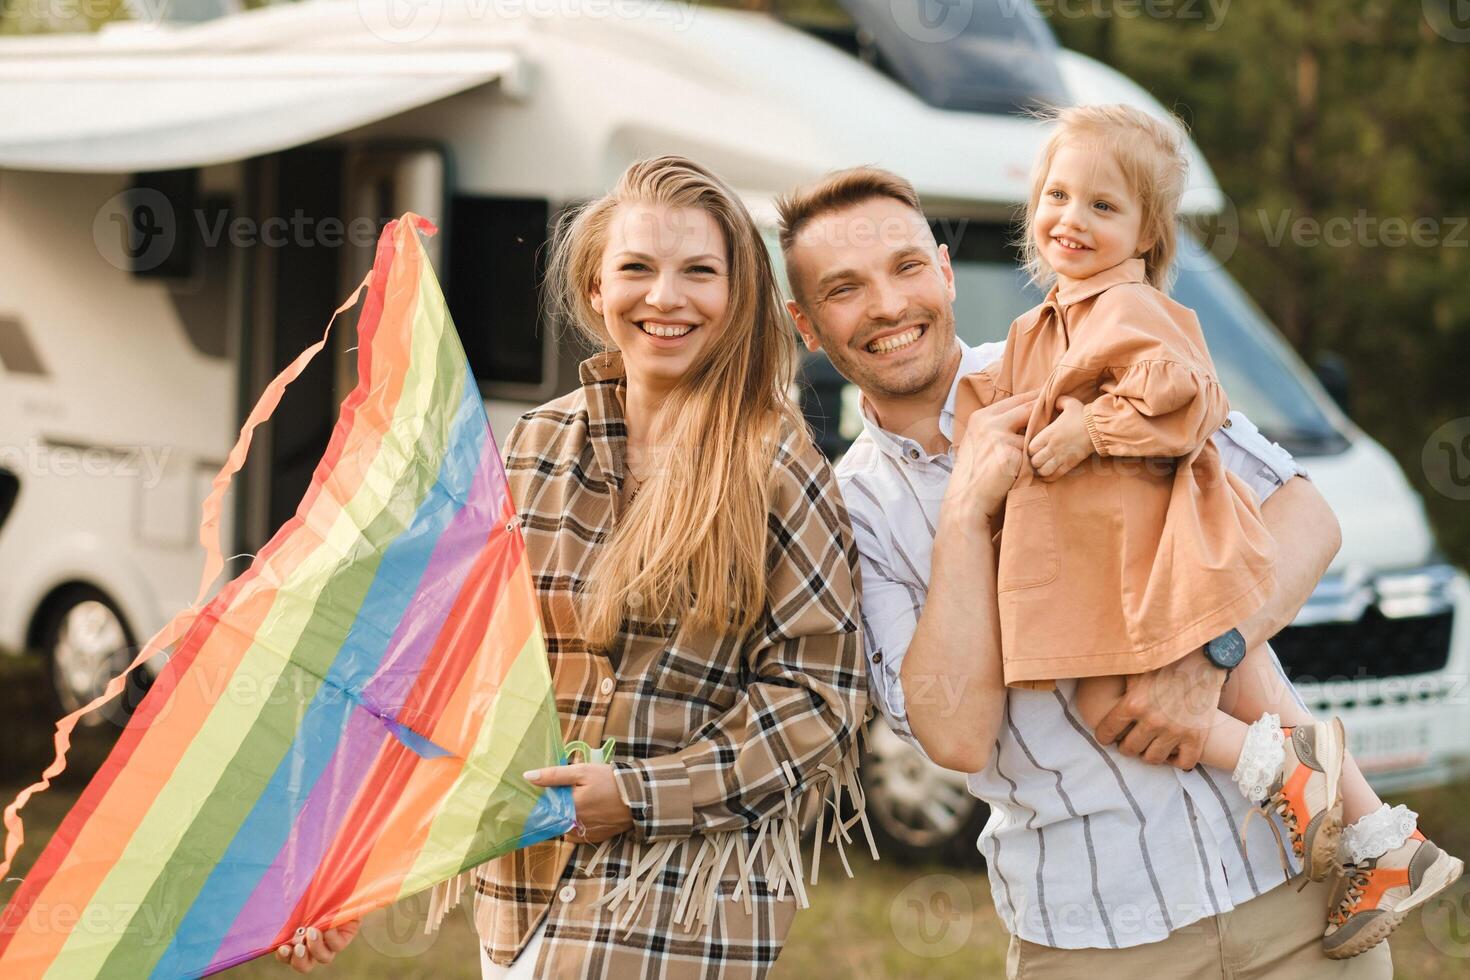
(1375, 834)
(1261, 758)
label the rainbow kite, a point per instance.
(343, 725)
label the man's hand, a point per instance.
(987, 459)
(601, 812)
(1165, 715)
(1059, 447)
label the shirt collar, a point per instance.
(603, 382)
(972, 359)
(1129, 270)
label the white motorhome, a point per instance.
(182, 205)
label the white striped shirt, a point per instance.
(1085, 847)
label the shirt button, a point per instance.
(607, 685)
(913, 453)
(1226, 423)
(568, 893)
(878, 656)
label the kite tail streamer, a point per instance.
(213, 563)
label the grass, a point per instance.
(889, 921)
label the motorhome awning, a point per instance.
(129, 101)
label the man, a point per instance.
(1119, 859)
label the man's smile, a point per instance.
(900, 338)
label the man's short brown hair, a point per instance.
(836, 191)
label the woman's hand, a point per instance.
(987, 459)
(1058, 448)
(316, 948)
(601, 812)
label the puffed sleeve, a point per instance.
(1155, 408)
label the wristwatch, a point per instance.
(1226, 651)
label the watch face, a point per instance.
(1228, 650)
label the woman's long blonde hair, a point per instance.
(694, 543)
(1151, 154)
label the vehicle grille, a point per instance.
(1375, 646)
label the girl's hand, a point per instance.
(601, 812)
(1058, 448)
(317, 948)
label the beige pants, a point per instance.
(1278, 934)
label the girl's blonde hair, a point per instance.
(1150, 153)
(693, 544)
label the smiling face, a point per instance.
(663, 289)
(877, 295)
(1087, 218)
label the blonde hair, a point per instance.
(835, 192)
(694, 542)
(1150, 153)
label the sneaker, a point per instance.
(1306, 794)
(1373, 897)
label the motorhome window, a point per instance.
(1262, 376)
(17, 353)
(496, 256)
(978, 56)
(9, 491)
(990, 287)
(156, 228)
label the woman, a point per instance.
(697, 579)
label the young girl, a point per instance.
(1164, 551)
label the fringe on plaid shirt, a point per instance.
(727, 747)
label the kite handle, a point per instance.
(589, 754)
(213, 563)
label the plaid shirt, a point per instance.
(725, 745)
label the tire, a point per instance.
(86, 642)
(920, 813)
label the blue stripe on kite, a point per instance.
(259, 841)
(548, 817)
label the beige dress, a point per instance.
(1150, 548)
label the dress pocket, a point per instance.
(1028, 552)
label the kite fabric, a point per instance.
(343, 725)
